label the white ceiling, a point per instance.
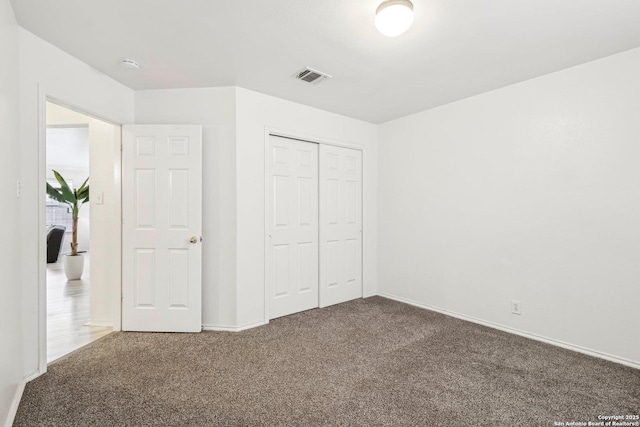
(455, 48)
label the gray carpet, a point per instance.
(366, 362)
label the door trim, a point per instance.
(272, 131)
(45, 96)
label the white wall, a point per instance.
(234, 121)
(530, 192)
(255, 112)
(105, 281)
(47, 71)
(214, 109)
(11, 366)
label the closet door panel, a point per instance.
(292, 215)
(340, 225)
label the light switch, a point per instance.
(99, 198)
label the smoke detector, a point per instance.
(310, 75)
(130, 64)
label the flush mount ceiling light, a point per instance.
(130, 64)
(394, 17)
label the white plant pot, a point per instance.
(73, 266)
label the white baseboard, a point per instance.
(370, 294)
(231, 328)
(99, 323)
(32, 376)
(535, 337)
(13, 409)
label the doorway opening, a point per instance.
(79, 305)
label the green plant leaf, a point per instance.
(75, 198)
(55, 194)
(83, 185)
(64, 189)
(83, 193)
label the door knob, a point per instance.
(193, 240)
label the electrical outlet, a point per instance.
(516, 307)
(18, 188)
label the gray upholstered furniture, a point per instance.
(55, 237)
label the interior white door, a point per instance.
(161, 229)
(292, 215)
(340, 225)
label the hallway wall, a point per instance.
(11, 312)
(45, 71)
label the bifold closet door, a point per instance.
(340, 225)
(292, 215)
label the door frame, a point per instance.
(272, 131)
(45, 96)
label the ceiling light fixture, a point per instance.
(394, 17)
(130, 64)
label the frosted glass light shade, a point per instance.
(394, 17)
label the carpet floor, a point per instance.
(368, 362)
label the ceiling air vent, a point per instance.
(310, 75)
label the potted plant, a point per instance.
(75, 198)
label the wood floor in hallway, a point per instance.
(68, 312)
